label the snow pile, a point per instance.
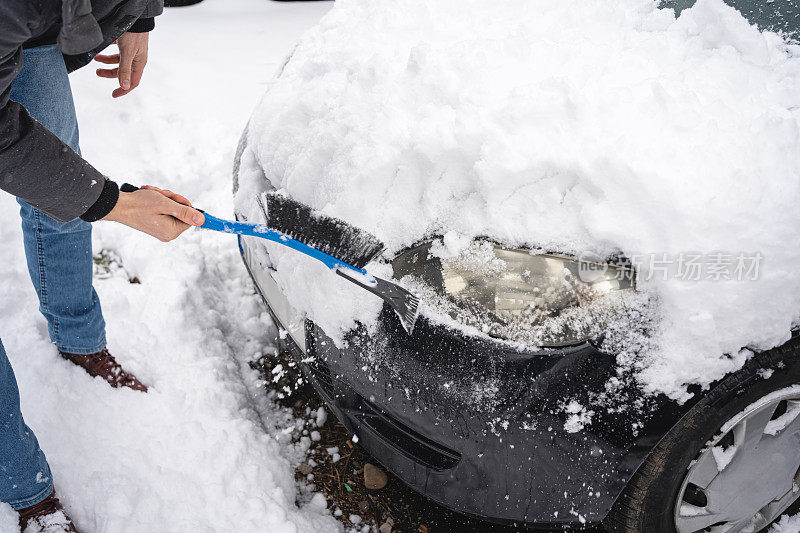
(204, 450)
(9, 519)
(787, 524)
(568, 126)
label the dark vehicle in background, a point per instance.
(727, 460)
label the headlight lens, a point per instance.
(537, 299)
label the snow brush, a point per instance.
(340, 246)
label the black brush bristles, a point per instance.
(327, 234)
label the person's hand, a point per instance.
(155, 212)
(169, 194)
(131, 59)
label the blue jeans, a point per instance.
(25, 477)
(60, 265)
(59, 254)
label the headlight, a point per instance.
(537, 299)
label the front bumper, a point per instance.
(477, 426)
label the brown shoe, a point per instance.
(104, 365)
(47, 516)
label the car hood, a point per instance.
(595, 127)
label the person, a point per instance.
(60, 196)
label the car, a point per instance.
(499, 429)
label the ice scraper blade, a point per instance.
(405, 304)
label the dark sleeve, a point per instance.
(143, 25)
(104, 204)
(35, 165)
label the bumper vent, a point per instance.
(412, 444)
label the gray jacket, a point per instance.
(35, 165)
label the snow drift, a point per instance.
(205, 450)
(592, 125)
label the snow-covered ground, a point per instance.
(203, 450)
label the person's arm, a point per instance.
(34, 164)
(38, 168)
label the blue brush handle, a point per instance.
(263, 232)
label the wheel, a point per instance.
(731, 464)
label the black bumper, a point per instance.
(480, 427)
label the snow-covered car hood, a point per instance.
(593, 126)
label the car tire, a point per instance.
(648, 502)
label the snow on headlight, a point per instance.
(534, 299)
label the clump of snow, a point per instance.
(723, 456)
(318, 501)
(692, 510)
(569, 126)
(450, 245)
(782, 422)
(787, 524)
(765, 373)
(478, 257)
(578, 416)
(321, 417)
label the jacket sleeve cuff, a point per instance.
(143, 25)
(104, 204)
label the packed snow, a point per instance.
(203, 450)
(596, 126)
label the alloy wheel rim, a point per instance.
(747, 475)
